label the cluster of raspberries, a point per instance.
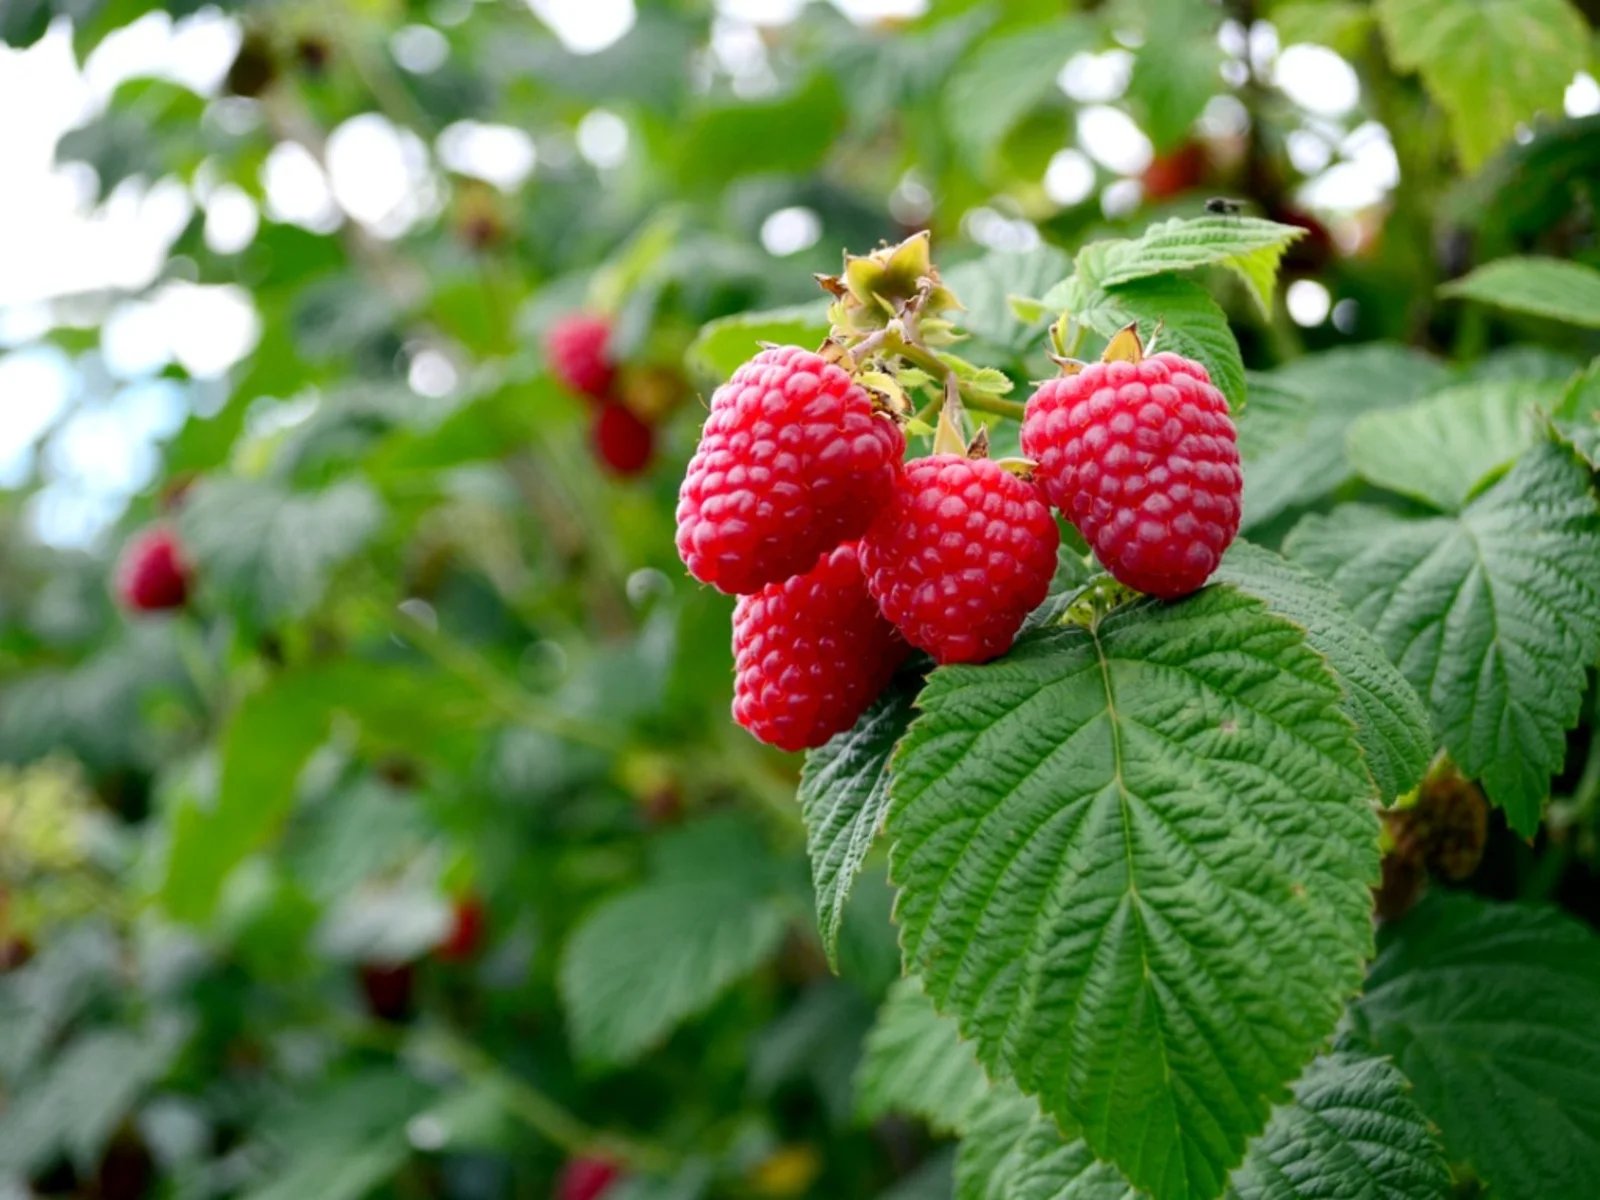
(579, 352)
(844, 557)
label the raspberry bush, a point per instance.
(994, 603)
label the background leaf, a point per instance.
(1441, 449)
(1494, 615)
(1545, 287)
(1462, 51)
(1491, 1011)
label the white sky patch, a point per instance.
(1069, 179)
(1317, 79)
(992, 228)
(1583, 96)
(209, 328)
(499, 154)
(431, 373)
(420, 49)
(195, 52)
(1112, 139)
(36, 384)
(1096, 78)
(297, 189)
(378, 174)
(790, 230)
(587, 27)
(762, 12)
(864, 12)
(1368, 172)
(1308, 302)
(603, 138)
(1121, 198)
(231, 219)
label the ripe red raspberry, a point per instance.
(811, 653)
(586, 1178)
(153, 574)
(623, 443)
(1141, 457)
(792, 462)
(962, 555)
(577, 349)
(465, 939)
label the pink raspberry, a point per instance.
(1143, 459)
(152, 574)
(577, 349)
(811, 654)
(792, 462)
(962, 555)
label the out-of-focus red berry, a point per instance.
(623, 443)
(578, 348)
(586, 1178)
(153, 573)
(389, 989)
(1175, 172)
(467, 922)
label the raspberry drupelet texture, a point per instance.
(811, 654)
(962, 555)
(577, 347)
(1143, 458)
(153, 574)
(793, 461)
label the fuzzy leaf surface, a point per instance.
(1493, 614)
(1134, 865)
(1493, 1012)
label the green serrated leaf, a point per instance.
(1342, 25)
(727, 343)
(1545, 287)
(269, 551)
(1134, 866)
(844, 793)
(1494, 614)
(1441, 449)
(1191, 323)
(1493, 1012)
(995, 86)
(648, 959)
(1247, 246)
(915, 1062)
(1352, 1131)
(1176, 70)
(74, 1107)
(1291, 437)
(988, 289)
(1390, 720)
(1463, 51)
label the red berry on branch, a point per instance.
(1142, 457)
(961, 556)
(586, 1178)
(1175, 172)
(577, 346)
(468, 918)
(811, 654)
(389, 989)
(623, 443)
(793, 461)
(153, 573)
